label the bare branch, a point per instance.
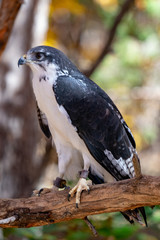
(54, 207)
(110, 36)
(8, 12)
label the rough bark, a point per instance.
(8, 13)
(54, 207)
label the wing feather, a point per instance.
(43, 122)
(98, 123)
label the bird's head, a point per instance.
(45, 58)
(39, 57)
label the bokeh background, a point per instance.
(129, 71)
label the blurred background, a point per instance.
(127, 68)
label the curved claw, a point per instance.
(82, 184)
(40, 191)
(69, 196)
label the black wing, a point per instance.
(98, 123)
(101, 126)
(43, 122)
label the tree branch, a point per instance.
(125, 7)
(54, 207)
(8, 12)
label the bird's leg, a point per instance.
(82, 184)
(59, 183)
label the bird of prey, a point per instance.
(80, 116)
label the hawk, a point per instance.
(79, 116)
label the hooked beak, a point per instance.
(22, 61)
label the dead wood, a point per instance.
(53, 207)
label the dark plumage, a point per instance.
(79, 115)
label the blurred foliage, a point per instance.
(80, 29)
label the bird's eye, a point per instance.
(39, 55)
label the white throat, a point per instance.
(40, 74)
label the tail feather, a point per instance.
(130, 215)
(142, 210)
(134, 215)
(125, 215)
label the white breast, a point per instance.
(58, 119)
